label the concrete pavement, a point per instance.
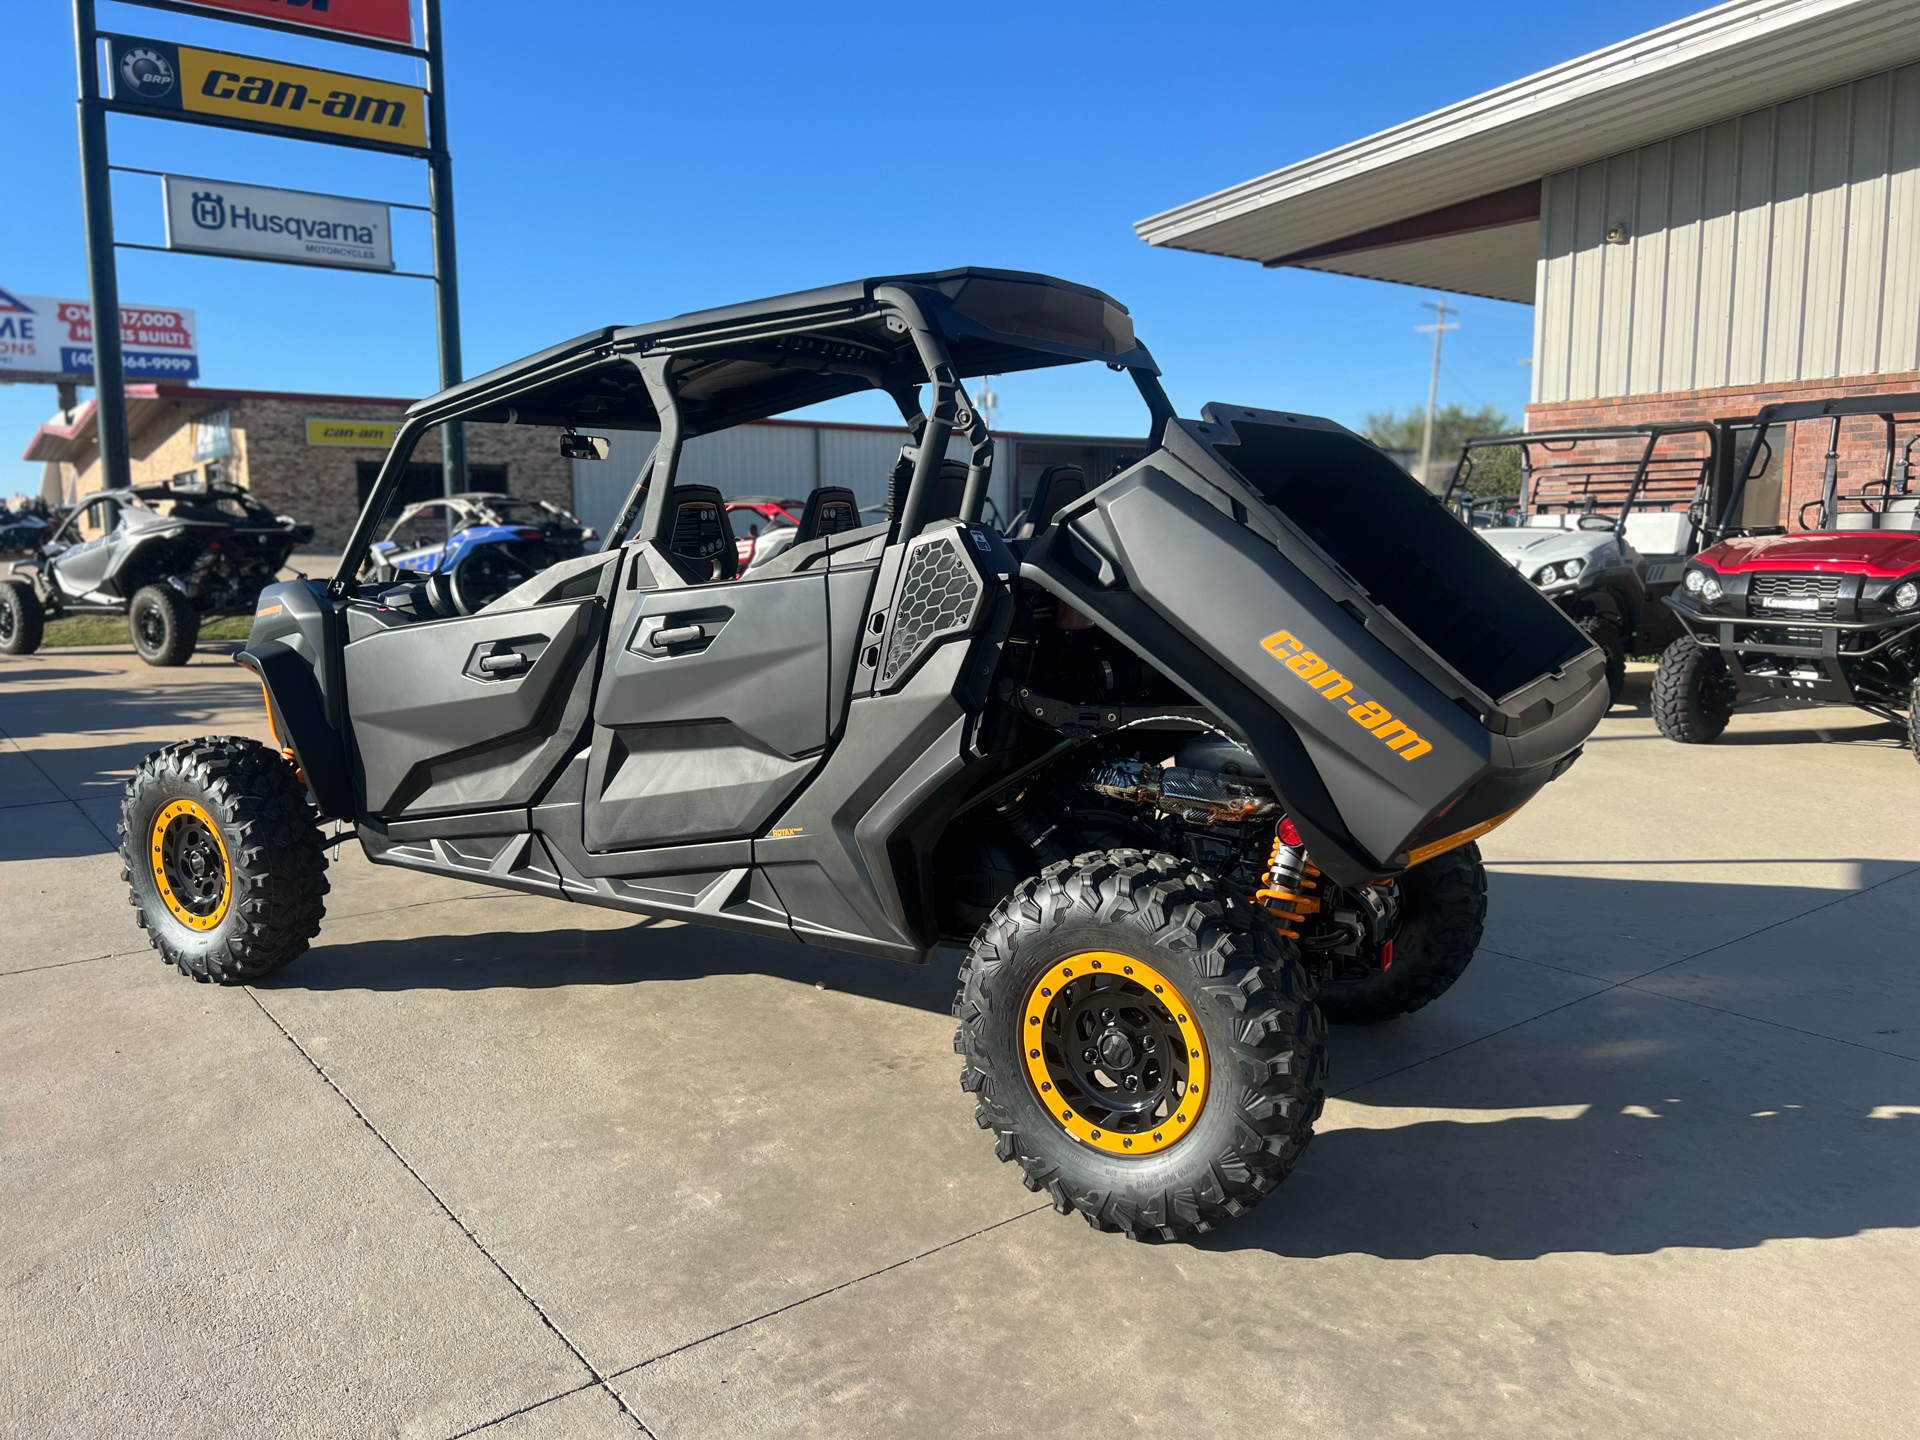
(484, 1163)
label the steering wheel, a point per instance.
(484, 576)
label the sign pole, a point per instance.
(453, 444)
(110, 390)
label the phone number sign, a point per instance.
(44, 334)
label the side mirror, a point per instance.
(584, 447)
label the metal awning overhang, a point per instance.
(1451, 200)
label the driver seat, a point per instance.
(699, 542)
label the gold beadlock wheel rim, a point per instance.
(1114, 1054)
(190, 865)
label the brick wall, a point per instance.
(1862, 438)
(320, 483)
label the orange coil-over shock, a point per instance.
(1287, 887)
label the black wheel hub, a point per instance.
(153, 627)
(191, 858)
(1115, 1052)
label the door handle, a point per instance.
(678, 635)
(497, 664)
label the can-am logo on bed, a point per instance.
(1361, 708)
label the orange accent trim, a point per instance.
(157, 844)
(1183, 1113)
(1459, 838)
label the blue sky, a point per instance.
(618, 162)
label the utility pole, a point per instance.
(1439, 328)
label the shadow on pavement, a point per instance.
(1623, 1125)
(644, 951)
(169, 712)
(1653, 1146)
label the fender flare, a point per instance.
(298, 714)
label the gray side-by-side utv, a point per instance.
(1197, 746)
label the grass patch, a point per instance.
(112, 630)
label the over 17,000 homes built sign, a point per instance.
(42, 335)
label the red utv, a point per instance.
(1828, 615)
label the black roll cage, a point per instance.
(1548, 439)
(1889, 408)
(663, 363)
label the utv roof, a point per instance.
(764, 357)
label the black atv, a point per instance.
(166, 558)
(1196, 750)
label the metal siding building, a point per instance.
(1757, 165)
(1780, 245)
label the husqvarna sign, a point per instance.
(258, 222)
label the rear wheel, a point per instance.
(1142, 1042)
(164, 625)
(1606, 635)
(222, 858)
(1443, 911)
(22, 620)
(1693, 695)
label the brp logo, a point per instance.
(209, 210)
(146, 74)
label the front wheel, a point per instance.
(1142, 1042)
(22, 620)
(1442, 912)
(164, 625)
(222, 858)
(1693, 696)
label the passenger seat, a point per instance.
(1057, 487)
(830, 510)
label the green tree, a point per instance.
(1495, 472)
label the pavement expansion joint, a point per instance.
(486, 1425)
(829, 1290)
(447, 1210)
(1630, 983)
(83, 960)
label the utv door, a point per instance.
(711, 711)
(82, 567)
(469, 713)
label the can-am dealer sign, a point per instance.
(45, 335)
(258, 222)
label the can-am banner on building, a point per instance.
(380, 19)
(41, 334)
(183, 82)
(261, 222)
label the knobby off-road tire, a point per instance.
(164, 625)
(1443, 912)
(1693, 695)
(222, 857)
(22, 620)
(1913, 719)
(1606, 635)
(1151, 942)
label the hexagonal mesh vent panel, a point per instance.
(939, 598)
